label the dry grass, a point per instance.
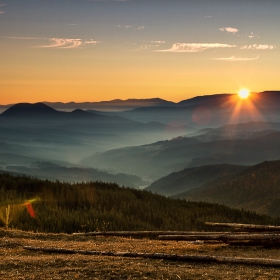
(17, 263)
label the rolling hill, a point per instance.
(63, 207)
(254, 188)
(191, 178)
(161, 158)
(71, 174)
(71, 136)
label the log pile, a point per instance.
(246, 227)
(170, 257)
(139, 233)
(244, 234)
(261, 236)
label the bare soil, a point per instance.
(18, 263)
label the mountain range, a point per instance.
(212, 110)
(255, 188)
(70, 136)
(161, 158)
(187, 149)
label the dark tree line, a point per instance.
(64, 207)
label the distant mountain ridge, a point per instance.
(74, 174)
(254, 188)
(41, 110)
(27, 109)
(192, 178)
(212, 110)
(161, 158)
(70, 136)
(112, 105)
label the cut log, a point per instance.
(245, 226)
(224, 237)
(140, 233)
(171, 257)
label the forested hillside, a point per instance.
(256, 188)
(191, 178)
(64, 207)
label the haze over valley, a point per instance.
(139, 146)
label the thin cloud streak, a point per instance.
(62, 43)
(229, 29)
(233, 58)
(195, 47)
(69, 43)
(258, 47)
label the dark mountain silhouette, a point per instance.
(198, 100)
(112, 105)
(40, 111)
(71, 136)
(255, 188)
(213, 110)
(29, 110)
(190, 178)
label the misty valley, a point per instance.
(214, 149)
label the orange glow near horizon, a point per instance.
(245, 108)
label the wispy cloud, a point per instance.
(231, 30)
(124, 26)
(144, 47)
(233, 58)
(158, 42)
(26, 38)
(208, 17)
(92, 42)
(258, 47)
(68, 43)
(63, 43)
(195, 47)
(253, 35)
(149, 45)
(131, 27)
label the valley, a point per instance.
(166, 147)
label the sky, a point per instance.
(89, 50)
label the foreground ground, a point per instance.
(18, 263)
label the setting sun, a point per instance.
(243, 93)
